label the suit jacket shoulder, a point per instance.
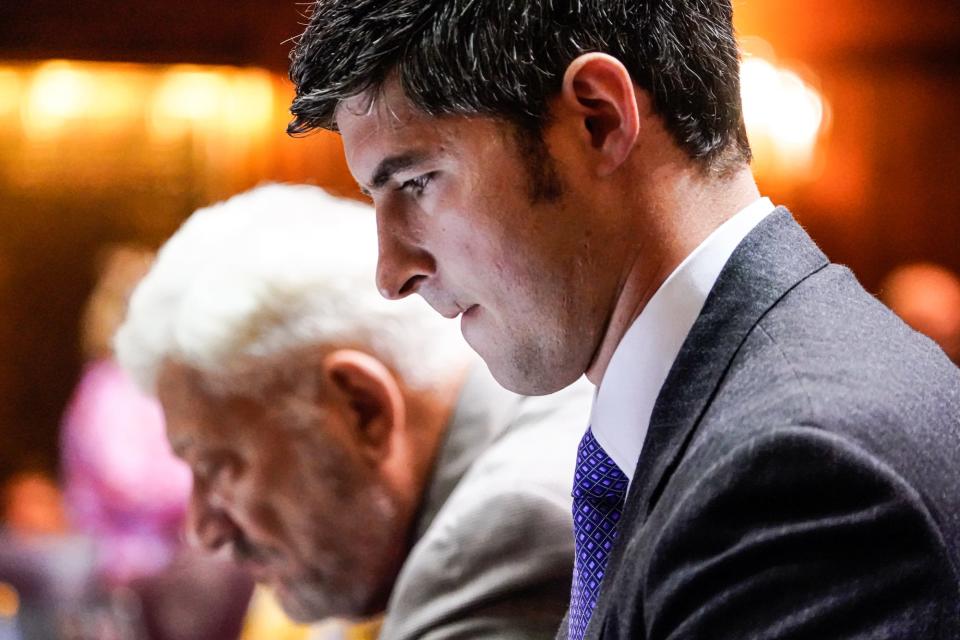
(495, 561)
(800, 474)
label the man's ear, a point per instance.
(375, 402)
(599, 90)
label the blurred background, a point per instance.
(118, 119)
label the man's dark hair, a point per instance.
(506, 59)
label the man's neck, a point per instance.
(685, 213)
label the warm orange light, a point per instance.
(227, 100)
(784, 117)
(58, 93)
(59, 97)
(119, 95)
(190, 94)
(9, 91)
(62, 93)
(90, 121)
(187, 96)
(249, 105)
(9, 601)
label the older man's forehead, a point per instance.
(191, 402)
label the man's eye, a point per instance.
(416, 185)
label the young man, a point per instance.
(349, 451)
(777, 454)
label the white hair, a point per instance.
(270, 271)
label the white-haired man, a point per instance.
(346, 449)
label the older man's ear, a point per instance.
(372, 396)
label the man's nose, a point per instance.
(402, 266)
(209, 526)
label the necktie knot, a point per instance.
(597, 477)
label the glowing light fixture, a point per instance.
(189, 94)
(237, 101)
(58, 93)
(784, 116)
(249, 105)
(9, 91)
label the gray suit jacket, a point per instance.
(494, 547)
(801, 476)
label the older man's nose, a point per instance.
(210, 528)
(402, 268)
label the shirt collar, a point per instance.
(624, 401)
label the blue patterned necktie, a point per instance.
(599, 489)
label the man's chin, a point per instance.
(524, 372)
(298, 607)
(306, 603)
(493, 350)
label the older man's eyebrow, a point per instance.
(394, 164)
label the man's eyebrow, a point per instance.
(393, 164)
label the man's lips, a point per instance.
(450, 314)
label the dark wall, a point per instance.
(241, 32)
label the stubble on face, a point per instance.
(310, 518)
(503, 229)
(345, 571)
(342, 525)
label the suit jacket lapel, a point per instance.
(770, 261)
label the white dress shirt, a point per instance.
(624, 401)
